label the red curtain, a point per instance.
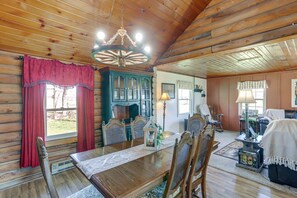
(85, 118)
(37, 72)
(33, 123)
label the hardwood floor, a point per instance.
(219, 185)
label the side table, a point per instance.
(251, 155)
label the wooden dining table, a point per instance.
(133, 178)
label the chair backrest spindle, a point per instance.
(180, 166)
(45, 167)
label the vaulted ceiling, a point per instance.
(204, 38)
(66, 29)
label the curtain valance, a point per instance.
(252, 85)
(184, 85)
(37, 71)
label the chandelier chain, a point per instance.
(122, 13)
(111, 12)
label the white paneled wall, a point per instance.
(173, 121)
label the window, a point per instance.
(184, 101)
(257, 108)
(60, 114)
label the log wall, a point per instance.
(11, 125)
(225, 25)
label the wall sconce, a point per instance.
(198, 88)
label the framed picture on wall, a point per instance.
(294, 93)
(168, 88)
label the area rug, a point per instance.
(230, 150)
(227, 164)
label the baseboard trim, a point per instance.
(19, 181)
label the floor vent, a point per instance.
(61, 166)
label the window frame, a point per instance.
(241, 105)
(190, 101)
(58, 136)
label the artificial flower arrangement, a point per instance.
(160, 136)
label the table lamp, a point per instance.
(246, 96)
(164, 98)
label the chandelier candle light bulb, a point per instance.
(138, 37)
(101, 35)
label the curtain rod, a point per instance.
(22, 58)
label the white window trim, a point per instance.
(190, 107)
(188, 86)
(240, 105)
(59, 136)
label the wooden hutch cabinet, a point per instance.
(125, 95)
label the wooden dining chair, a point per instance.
(197, 175)
(89, 191)
(137, 127)
(196, 123)
(114, 132)
(178, 174)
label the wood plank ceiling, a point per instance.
(66, 29)
(236, 37)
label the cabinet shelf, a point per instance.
(125, 89)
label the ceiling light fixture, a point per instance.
(116, 51)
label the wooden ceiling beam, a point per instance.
(207, 20)
(273, 36)
(224, 22)
(250, 22)
(199, 44)
(280, 11)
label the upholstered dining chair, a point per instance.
(195, 124)
(197, 175)
(180, 166)
(114, 132)
(137, 127)
(89, 191)
(211, 117)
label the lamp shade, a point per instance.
(165, 96)
(245, 96)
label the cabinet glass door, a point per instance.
(145, 97)
(132, 88)
(146, 108)
(119, 88)
(145, 89)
